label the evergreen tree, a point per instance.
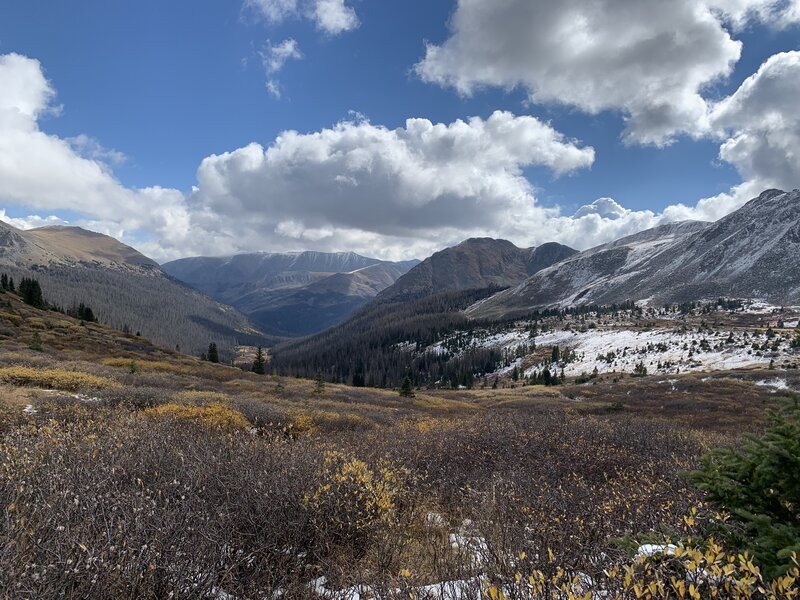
(213, 355)
(758, 483)
(4, 282)
(406, 390)
(36, 342)
(555, 355)
(259, 362)
(31, 292)
(319, 387)
(11, 284)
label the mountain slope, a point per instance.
(290, 294)
(123, 287)
(422, 305)
(476, 263)
(753, 252)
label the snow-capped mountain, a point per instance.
(753, 252)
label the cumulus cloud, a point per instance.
(652, 60)
(357, 179)
(329, 16)
(45, 172)
(761, 124)
(391, 193)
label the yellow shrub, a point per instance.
(303, 423)
(58, 379)
(12, 318)
(36, 323)
(150, 365)
(356, 494)
(201, 397)
(214, 415)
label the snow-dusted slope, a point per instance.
(753, 252)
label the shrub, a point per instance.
(58, 379)
(216, 415)
(759, 484)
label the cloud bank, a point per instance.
(391, 193)
(649, 59)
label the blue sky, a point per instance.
(169, 83)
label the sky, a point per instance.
(392, 128)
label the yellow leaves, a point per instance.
(405, 573)
(59, 379)
(217, 416)
(495, 593)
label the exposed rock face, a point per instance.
(753, 252)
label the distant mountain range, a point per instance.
(291, 294)
(753, 252)
(122, 286)
(419, 306)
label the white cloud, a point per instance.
(652, 60)
(334, 17)
(31, 221)
(358, 183)
(761, 122)
(329, 16)
(47, 173)
(392, 193)
(274, 56)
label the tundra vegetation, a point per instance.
(132, 471)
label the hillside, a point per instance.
(420, 307)
(476, 263)
(752, 253)
(301, 488)
(290, 294)
(123, 287)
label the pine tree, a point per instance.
(31, 292)
(213, 355)
(555, 355)
(758, 483)
(259, 362)
(406, 389)
(319, 387)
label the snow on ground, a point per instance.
(681, 351)
(778, 385)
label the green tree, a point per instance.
(758, 483)
(259, 362)
(319, 387)
(406, 389)
(639, 370)
(36, 342)
(213, 354)
(555, 355)
(31, 292)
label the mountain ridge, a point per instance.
(751, 252)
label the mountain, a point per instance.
(370, 347)
(753, 252)
(290, 294)
(122, 286)
(476, 263)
